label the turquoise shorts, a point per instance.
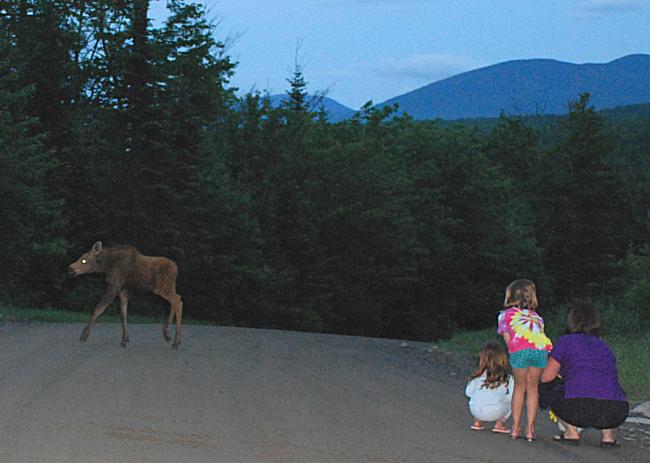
(528, 358)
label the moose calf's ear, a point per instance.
(97, 247)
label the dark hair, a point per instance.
(583, 318)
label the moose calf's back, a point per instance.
(137, 271)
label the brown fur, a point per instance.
(126, 270)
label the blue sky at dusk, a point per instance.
(361, 50)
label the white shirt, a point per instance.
(485, 397)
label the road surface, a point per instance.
(241, 395)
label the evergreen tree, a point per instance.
(297, 93)
(584, 212)
(30, 219)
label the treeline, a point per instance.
(115, 129)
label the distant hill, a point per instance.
(336, 112)
(536, 86)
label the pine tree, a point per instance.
(582, 208)
(297, 93)
(30, 219)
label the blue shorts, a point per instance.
(528, 358)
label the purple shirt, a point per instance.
(588, 367)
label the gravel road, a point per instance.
(240, 395)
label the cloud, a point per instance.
(605, 7)
(423, 67)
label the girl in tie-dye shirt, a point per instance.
(523, 331)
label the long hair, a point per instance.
(522, 294)
(583, 317)
(493, 361)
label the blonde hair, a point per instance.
(493, 361)
(522, 294)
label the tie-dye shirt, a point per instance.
(526, 329)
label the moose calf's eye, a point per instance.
(83, 261)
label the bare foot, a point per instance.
(516, 432)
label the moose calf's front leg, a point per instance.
(101, 307)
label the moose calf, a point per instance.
(126, 269)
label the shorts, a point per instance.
(528, 358)
(585, 412)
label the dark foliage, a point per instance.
(378, 225)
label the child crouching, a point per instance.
(489, 390)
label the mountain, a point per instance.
(336, 112)
(536, 86)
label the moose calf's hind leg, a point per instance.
(178, 313)
(175, 311)
(84, 334)
(170, 318)
(124, 302)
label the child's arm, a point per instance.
(506, 337)
(507, 398)
(551, 371)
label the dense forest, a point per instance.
(117, 130)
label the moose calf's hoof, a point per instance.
(84, 336)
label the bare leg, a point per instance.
(532, 399)
(101, 307)
(518, 394)
(124, 302)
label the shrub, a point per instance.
(637, 294)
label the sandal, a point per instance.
(476, 428)
(609, 444)
(501, 431)
(563, 440)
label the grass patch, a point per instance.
(626, 334)
(66, 316)
(632, 362)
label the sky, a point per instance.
(356, 51)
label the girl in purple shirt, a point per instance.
(592, 396)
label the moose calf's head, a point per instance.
(87, 263)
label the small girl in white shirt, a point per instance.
(490, 390)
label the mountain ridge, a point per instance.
(529, 86)
(533, 86)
